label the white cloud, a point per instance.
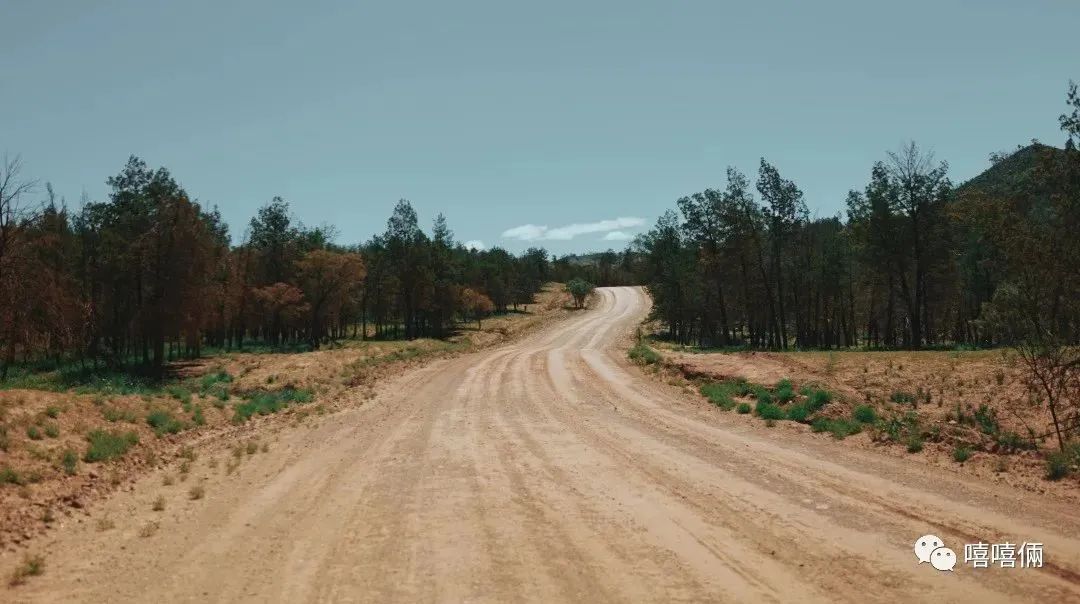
(532, 232)
(475, 244)
(617, 236)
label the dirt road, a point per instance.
(550, 470)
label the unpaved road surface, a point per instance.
(550, 470)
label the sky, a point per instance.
(570, 125)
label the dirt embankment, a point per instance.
(46, 478)
(976, 400)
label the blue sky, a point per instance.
(556, 123)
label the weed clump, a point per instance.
(265, 403)
(106, 445)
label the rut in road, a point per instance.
(551, 470)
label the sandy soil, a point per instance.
(549, 469)
(941, 385)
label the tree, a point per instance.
(580, 289)
(328, 280)
(477, 305)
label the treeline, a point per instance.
(150, 275)
(916, 262)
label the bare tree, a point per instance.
(13, 213)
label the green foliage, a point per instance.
(839, 428)
(818, 399)
(10, 476)
(52, 429)
(864, 414)
(1058, 465)
(106, 445)
(902, 398)
(784, 391)
(209, 382)
(52, 411)
(799, 412)
(163, 422)
(112, 414)
(743, 408)
(179, 393)
(69, 460)
(986, 419)
(642, 354)
(579, 289)
(197, 416)
(961, 454)
(33, 432)
(721, 393)
(914, 445)
(769, 411)
(267, 402)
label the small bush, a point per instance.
(799, 412)
(1057, 466)
(33, 433)
(31, 566)
(864, 414)
(52, 411)
(108, 445)
(721, 393)
(743, 408)
(817, 399)
(642, 354)
(159, 504)
(902, 398)
(252, 447)
(197, 416)
(163, 422)
(986, 418)
(914, 445)
(69, 461)
(769, 411)
(10, 476)
(785, 393)
(52, 430)
(5, 441)
(214, 379)
(265, 403)
(148, 529)
(839, 428)
(196, 492)
(961, 454)
(113, 414)
(179, 393)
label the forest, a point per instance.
(151, 275)
(916, 262)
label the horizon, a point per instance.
(585, 126)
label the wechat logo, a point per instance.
(930, 548)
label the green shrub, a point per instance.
(721, 393)
(52, 411)
(197, 416)
(818, 399)
(179, 393)
(52, 429)
(901, 397)
(799, 412)
(1057, 465)
(215, 378)
(986, 418)
(961, 454)
(69, 461)
(914, 445)
(106, 445)
(1011, 441)
(864, 414)
(642, 354)
(163, 422)
(113, 414)
(10, 476)
(743, 408)
(33, 433)
(265, 403)
(839, 428)
(770, 411)
(785, 393)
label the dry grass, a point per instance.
(149, 529)
(196, 492)
(159, 504)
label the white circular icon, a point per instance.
(925, 545)
(943, 558)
